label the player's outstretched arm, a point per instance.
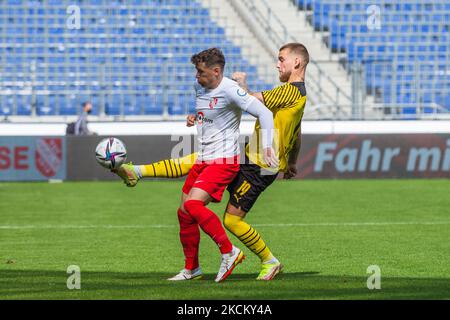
(265, 118)
(256, 108)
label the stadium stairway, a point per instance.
(226, 16)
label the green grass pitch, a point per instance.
(326, 233)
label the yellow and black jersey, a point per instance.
(287, 103)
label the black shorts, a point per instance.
(248, 185)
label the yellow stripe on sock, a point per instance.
(248, 236)
(186, 163)
(175, 169)
(170, 168)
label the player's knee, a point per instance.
(183, 216)
(193, 206)
(227, 222)
(230, 221)
(184, 197)
(231, 209)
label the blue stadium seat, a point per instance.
(177, 109)
(23, 105)
(151, 104)
(6, 105)
(69, 106)
(45, 105)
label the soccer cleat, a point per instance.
(269, 271)
(186, 274)
(229, 261)
(126, 172)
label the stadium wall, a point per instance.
(336, 156)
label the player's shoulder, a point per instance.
(232, 88)
(276, 89)
(300, 86)
(288, 88)
(228, 83)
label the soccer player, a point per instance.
(287, 103)
(219, 105)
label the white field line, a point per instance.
(275, 225)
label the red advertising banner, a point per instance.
(32, 158)
(375, 156)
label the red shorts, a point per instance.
(212, 176)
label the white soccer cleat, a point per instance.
(186, 274)
(229, 261)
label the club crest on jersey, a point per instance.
(241, 92)
(202, 119)
(213, 102)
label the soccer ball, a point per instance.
(111, 153)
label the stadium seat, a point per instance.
(151, 104)
(23, 105)
(45, 105)
(6, 105)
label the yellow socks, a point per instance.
(172, 168)
(248, 236)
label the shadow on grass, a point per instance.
(43, 284)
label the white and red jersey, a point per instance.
(218, 118)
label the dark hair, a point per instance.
(211, 57)
(299, 49)
(84, 104)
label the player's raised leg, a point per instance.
(170, 168)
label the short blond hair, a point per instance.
(299, 49)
